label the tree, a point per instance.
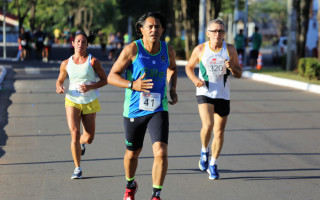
(302, 8)
(22, 9)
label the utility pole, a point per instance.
(236, 17)
(289, 24)
(4, 41)
(202, 19)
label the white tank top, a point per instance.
(80, 74)
(213, 70)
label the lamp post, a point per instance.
(4, 41)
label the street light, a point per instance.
(4, 30)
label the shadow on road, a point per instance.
(5, 94)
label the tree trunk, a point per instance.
(171, 25)
(178, 18)
(303, 26)
(217, 8)
(22, 16)
(208, 11)
(32, 16)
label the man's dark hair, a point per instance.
(143, 18)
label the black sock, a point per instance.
(156, 192)
(131, 184)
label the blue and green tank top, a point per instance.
(136, 103)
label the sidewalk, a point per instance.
(246, 74)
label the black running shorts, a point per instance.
(135, 129)
(221, 106)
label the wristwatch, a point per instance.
(130, 84)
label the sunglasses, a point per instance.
(216, 31)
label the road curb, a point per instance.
(282, 82)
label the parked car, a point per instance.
(279, 48)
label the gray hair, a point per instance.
(215, 21)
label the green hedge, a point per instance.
(309, 67)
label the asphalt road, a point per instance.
(271, 149)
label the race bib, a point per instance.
(215, 65)
(149, 101)
(74, 89)
(23, 43)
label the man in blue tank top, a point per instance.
(148, 64)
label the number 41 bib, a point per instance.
(149, 101)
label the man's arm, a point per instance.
(233, 64)
(172, 74)
(123, 62)
(193, 61)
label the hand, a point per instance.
(60, 89)
(174, 97)
(142, 85)
(83, 88)
(228, 64)
(199, 83)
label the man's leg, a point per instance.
(130, 165)
(130, 162)
(218, 131)
(160, 163)
(206, 111)
(217, 143)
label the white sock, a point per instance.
(213, 161)
(204, 149)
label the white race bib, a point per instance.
(74, 89)
(149, 101)
(215, 65)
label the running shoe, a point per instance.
(129, 193)
(204, 161)
(213, 172)
(156, 198)
(83, 149)
(77, 174)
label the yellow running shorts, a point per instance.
(88, 108)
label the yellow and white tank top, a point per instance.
(214, 72)
(81, 74)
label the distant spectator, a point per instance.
(256, 41)
(57, 35)
(111, 45)
(24, 42)
(240, 42)
(39, 37)
(312, 39)
(71, 47)
(118, 38)
(47, 47)
(117, 51)
(102, 40)
(126, 39)
(66, 36)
